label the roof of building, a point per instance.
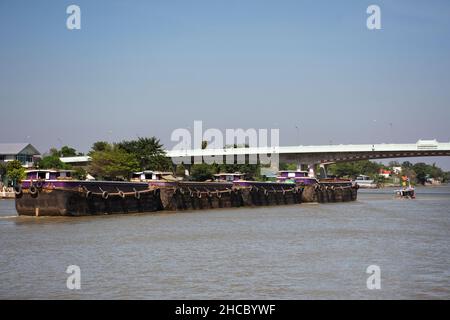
(48, 170)
(153, 172)
(16, 148)
(76, 159)
(229, 174)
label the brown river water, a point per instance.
(305, 251)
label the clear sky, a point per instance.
(144, 68)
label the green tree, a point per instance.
(67, 151)
(100, 146)
(394, 164)
(407, 164)
(79, 174)
(148, 152)
(288, 166)
(202, 172)
(421, 169)
(2, 172)
(51, 162)
(55, 152)
(180, 170)
(15, 171)
(353, 169)
(446, 177)
(435, 172)
(251, 170)
(113, 163)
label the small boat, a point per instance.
(407, 191)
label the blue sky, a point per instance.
(144, 68)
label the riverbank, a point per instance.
(390, 186)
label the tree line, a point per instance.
(419, 172)
(118, 160)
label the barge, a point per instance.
(56, 193)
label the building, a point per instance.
(24, 152)
(78, 161)
(385, 173)
(397, 170)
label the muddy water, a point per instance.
(293, 252)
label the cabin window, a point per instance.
(42, 175)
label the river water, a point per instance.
(305, 251)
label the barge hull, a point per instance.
(82, 199)
(78, 198)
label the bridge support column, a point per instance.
(275, 166)
(323, 171)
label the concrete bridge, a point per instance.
(311, 156)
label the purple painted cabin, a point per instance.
(298, 177)
(48, 174)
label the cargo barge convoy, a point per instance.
(55, 193)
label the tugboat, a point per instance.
(407, 191)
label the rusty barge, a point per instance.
(54, 193)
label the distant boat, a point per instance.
(407, 191)
(365, 182)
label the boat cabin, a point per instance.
(299, 177)
(289, 174)
(149, 175)
(229, 177)
(48, 174)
